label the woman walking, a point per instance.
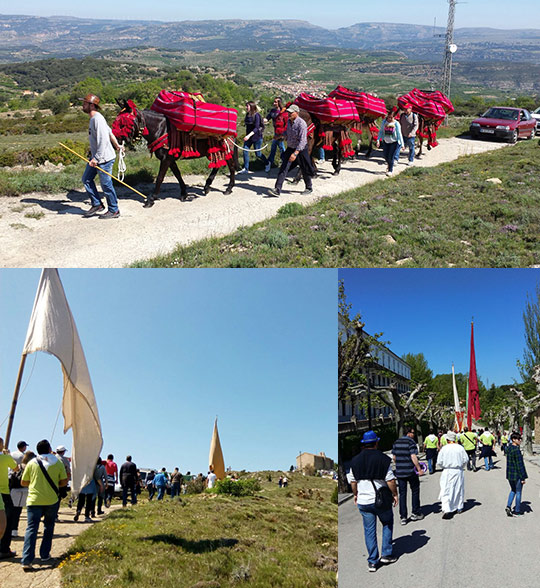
(254, 135)
(279, 117)
(391, 138)
(515, 474)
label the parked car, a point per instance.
(504, 122)
(536, 115)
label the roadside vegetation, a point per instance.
(477, 211)
(275, 537)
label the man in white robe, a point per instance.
(452, 460)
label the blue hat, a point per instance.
(370, 437)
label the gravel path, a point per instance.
(62, 238)
(46, 575)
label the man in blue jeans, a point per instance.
(516, 474)
(371, 469)
(102, 146)
(408, 471)
(42, 501)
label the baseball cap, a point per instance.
(293, 108)
(60, 448)
(21, 443)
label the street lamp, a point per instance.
(368, 358)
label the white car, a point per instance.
(536, 115)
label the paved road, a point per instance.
(481, 547)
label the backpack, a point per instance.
(15, 480)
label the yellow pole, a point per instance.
(105, 172)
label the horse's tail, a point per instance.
(236, 161)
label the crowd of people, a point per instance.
(38, 481)
(379, 481)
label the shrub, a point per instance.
(238, 487)
(290, 209)
(334, 497)
(195, 486)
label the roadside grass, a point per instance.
(279, 537)
(444, 216)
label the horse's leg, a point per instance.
(178, 176)
(232, 169)
(209, 180)
(369, 148)
(163, 167)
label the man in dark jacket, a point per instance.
(370, 470)
(128, 480)
(408, 471)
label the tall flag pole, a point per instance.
(473, 411)
(457, 407)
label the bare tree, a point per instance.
(419, 414)
(527, 407)
(399, 403)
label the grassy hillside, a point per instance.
(279, 537)
(444, 216)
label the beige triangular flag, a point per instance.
(215, 459)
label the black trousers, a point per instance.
(303, 160)
(5, 542)
(414, 482)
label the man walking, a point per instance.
(43, 475)
(296, 153)
(452, 459)
(516, 474)
(128, 480)
(488, 441)
(6, 463)
(371, 470)
(408, 471)
(431, 443)
(409, 126)
(102, 153)
(469, 440)
(111, 469)
(279, 117)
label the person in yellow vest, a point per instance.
(488, 441)
(469, 440)
(504, 442)
(431, 445)
(442, 440)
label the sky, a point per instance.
(168, 351)
(429, 311)
(490, 13)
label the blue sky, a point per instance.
(430, 311)
(169, 350)
(491, 13)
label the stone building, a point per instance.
(318, 462)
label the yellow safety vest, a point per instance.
(444, 440)
(468, 440)
(431, 443)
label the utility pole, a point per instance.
(449, 48)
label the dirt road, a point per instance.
(46, 575)
(60, 237)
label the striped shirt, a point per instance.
(403, 448)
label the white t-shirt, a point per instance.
(366, 492)
(211, 479)
(99, 135)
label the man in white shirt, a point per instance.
(370, 470)
(211, 479)
(102, 146)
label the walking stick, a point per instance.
(102, 170)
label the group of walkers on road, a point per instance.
(378, 487)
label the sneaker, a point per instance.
(267, 167)
(307, 191)
(87, 520)
(27, 567)
(110, 214)
(76, 517)
(389, 173)
(93, 210)
(517, 513)
(372, 567)
(321, 161)
(273, 192)
(14, 533)
(47, 559)
(107, 503)
(389, 559)
(410, 162)
(404, 521)
(417, 517)
(242, 171)
(508, 511)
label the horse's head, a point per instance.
(129, 123)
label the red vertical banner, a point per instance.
(473, 411)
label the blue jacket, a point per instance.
(160, 480)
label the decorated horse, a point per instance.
(169, 144)
(432, 107)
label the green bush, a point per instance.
(290, 209)
(334, 497)
(238, 487)
(195, 486)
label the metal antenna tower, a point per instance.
(449, 48)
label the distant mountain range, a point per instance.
(27, 38)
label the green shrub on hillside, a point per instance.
(237, 487)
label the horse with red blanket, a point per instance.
(169, 144)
